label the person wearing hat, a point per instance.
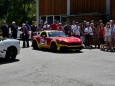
(60, 28)
(14, 30)
(46, 26)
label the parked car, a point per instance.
(9, 48)
(56, 40)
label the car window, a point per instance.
(43, 34)
(56, 33)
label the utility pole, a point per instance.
(68, 7)
(37, 12)
(108, 9)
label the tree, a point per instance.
(4, 8)
(17, 10)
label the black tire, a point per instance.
(11, 53)
(53, 47)
(34, 44)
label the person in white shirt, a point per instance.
(107, 31)
(88, 34)
(73, 25)
(46, 26)
(76, 30)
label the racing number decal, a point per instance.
(42, 41)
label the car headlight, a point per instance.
(61, 42)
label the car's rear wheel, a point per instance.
(34, 44)
(11, 53)
(53, 47)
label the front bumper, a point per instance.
(66, 47)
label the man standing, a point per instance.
(88, 33)
(60, 28)
(5, 30)
(25, 35)
(27, 26)
(76, 30)
(54, 26)
(33, 28)
(46, 26)
(67, 29)
(14, 29)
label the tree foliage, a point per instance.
(17, 10)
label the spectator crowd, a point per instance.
(93, 34)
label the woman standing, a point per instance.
(107, 31)
(101, 36)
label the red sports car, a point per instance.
(56, 40)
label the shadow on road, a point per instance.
(4, 61)
(60, 52)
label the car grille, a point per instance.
(71, 48)
(73, 44)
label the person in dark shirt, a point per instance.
(27, 26)
(33, 28)
(5, 30)
(14, 29)
(25, 35)
(67, 29)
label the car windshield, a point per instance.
(56, 33)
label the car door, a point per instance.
(43, 39)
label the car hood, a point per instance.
(67, 39)
(8, 40)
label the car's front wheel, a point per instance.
(53, 47)
(11, 53)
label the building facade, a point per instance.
(112, 9)
(79, 10)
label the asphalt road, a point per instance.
(90, 67)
